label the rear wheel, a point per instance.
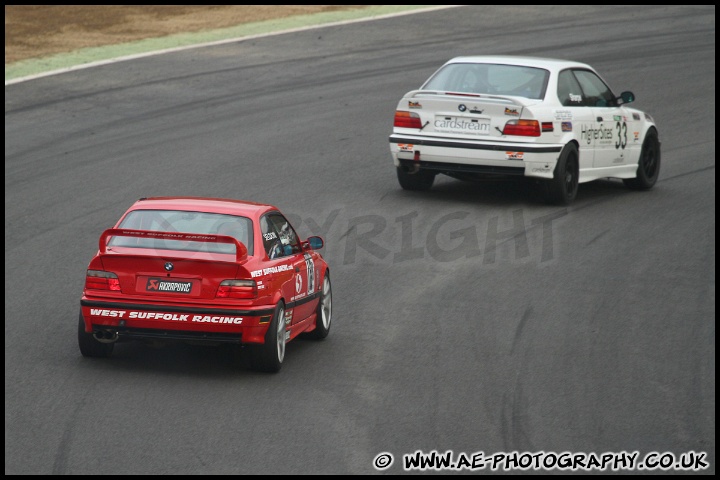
(562, 189)
(324, 311)
(269, 356)
(420, 180)
(89, 347)
(648, 164)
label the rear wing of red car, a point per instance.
(241, 251)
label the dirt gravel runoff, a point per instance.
(37, 31)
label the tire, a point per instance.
(324, 311)
(269, 356)
(562, 189)
(648, 164)
(418, 181)
(89, 347)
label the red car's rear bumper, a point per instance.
(221, 324)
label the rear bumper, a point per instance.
(459, 156)
(458, 168)
(142, 321)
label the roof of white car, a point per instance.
(548, 63)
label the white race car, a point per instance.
(556, 121)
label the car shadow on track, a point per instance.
(181, 359)
(513, 192)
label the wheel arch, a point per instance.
(278, 297)
(575, 143)
(651, 128)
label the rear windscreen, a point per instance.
(185, 222)
(490, 78)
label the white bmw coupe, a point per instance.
(555, 121)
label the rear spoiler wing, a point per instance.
(241, 251)
(484, 97)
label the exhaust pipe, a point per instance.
(106, 336)
(414, 168)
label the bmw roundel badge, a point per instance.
(169, 266)
(462, 107)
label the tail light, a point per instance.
(522, 128)
(237, 289)
(100, 280)
(407, 120)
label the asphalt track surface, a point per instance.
(468, 318)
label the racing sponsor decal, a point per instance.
(298, 283)
(168, 317)
(217, 319)
(310, 272)
(412, 104)
(514, 155)
(476, 110)
(512, 111)
(601, 135)
(98, 312)
(265, 271)
(453, 124)
(566, 126)
(169, 235)
(405, 147)
(269, 236)
(160, 285)
(288, 316)
(575, 98)
(636, 136)
(563, 115)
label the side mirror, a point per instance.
(315, 243)
(627, 97)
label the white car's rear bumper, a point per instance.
(451, 155)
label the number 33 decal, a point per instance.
(622, 135)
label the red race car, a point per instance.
(205, 270)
